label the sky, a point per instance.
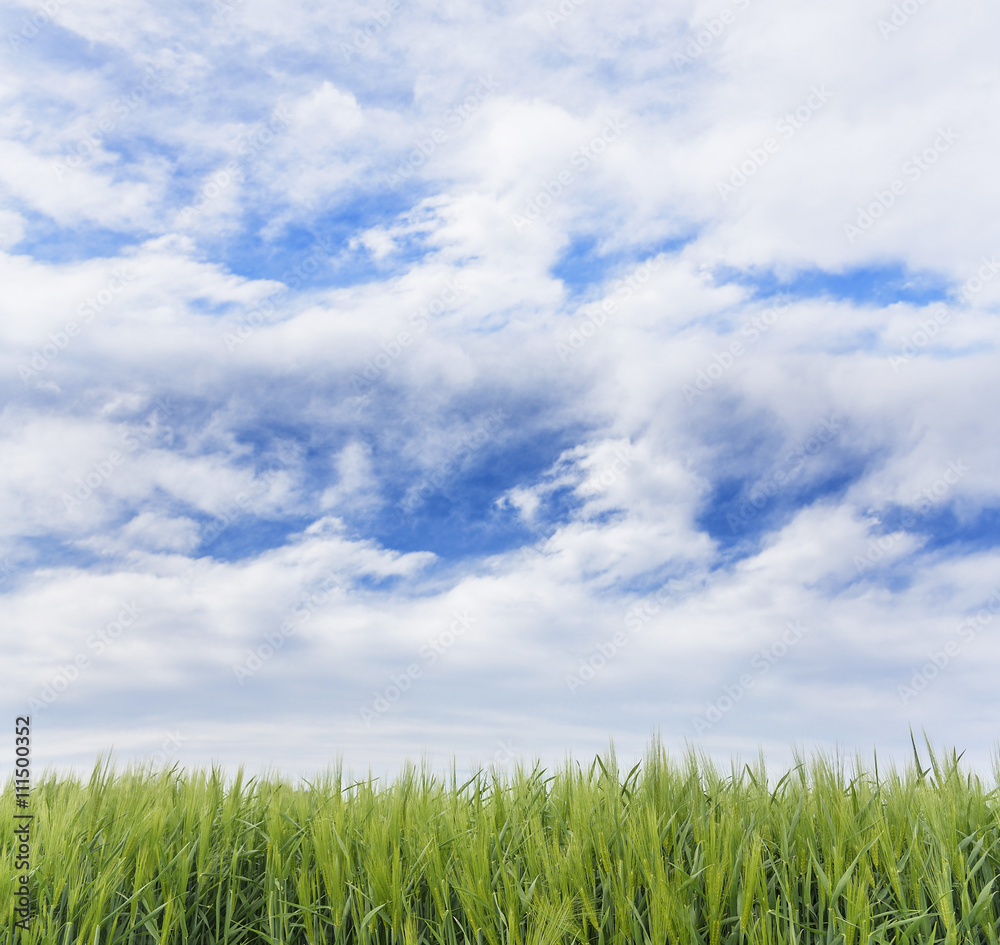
(490, 381)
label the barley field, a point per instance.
(671, 851)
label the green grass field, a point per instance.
(672, 851)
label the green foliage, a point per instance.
(666, 853)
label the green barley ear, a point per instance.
(921, 773)
(752, 875)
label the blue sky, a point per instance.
(492, 380)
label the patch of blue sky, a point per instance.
(47, 241)
(636, 59)
(132, 148)
(190, 172)
(46, 38)
(371, 83)
(237, 539)
(198, 170)
(739, 514)
(206, 306)
(278, 445)
(463, 517)
(865, 285)
(52, 551)
(607, 516)
(15, 565)
(896, 575)
(471, 527)
(317, 253)
(275, 447)
(377, 583)
(583, 266)
(944, 529)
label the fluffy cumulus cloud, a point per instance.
(400, 379)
